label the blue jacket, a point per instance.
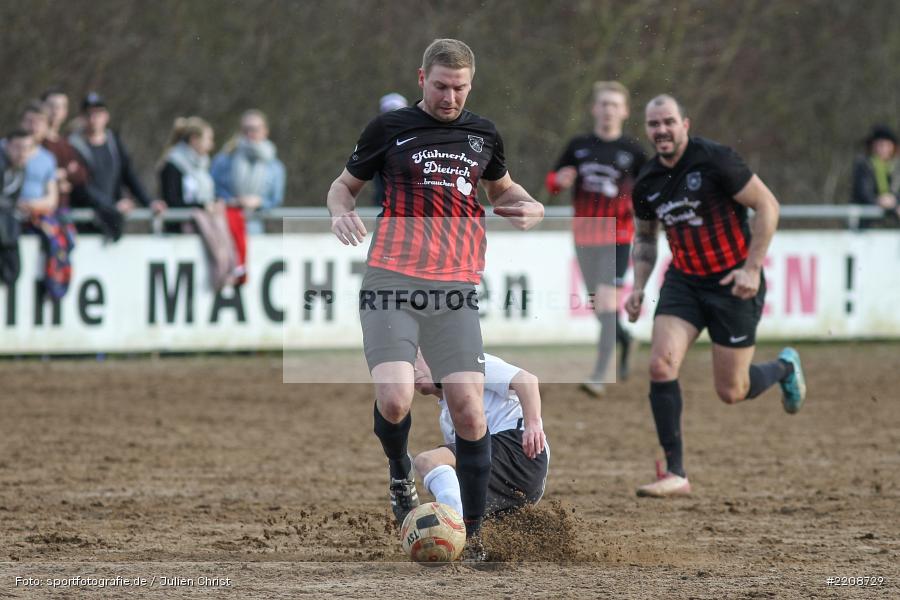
(221, 174)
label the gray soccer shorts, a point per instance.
(399, 314)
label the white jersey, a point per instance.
(501, 404)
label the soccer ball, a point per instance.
(433, 533)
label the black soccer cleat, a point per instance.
(404, 496)
(474, 551)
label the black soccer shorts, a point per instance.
(603, 265)
(516, 480)
(704, 303)
(399, 314)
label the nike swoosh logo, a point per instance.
(653, 197)
(736, 340)
(401, 142)
(480, 360)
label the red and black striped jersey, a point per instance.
(431, 224)
(707, 229)
(606, 174)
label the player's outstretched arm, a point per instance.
(341, 201)
(560, 180)
(527, 388)
(643, 255)
(511, 201)
(745, 281)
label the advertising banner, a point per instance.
(149, 293)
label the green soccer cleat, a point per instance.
(793, 386)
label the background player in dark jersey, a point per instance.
(701, 191)
(602, 165)
(429, 241)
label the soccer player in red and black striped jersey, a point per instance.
(602, 167)
(426, 257)
(701, 191)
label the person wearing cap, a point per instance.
(876, 175)
(392, 101)
(109, 170)
(387, 103)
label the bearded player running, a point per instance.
(701, 191)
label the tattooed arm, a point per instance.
(745, 281)
(644, 257)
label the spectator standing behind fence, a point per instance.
(109, 170)
(29, 178)
(42, 198)
(57, 103)
(876, 175)
(51, 224)
(14, 151)
(387, 103)
(70, 170)
(248, 176)
(185, 182)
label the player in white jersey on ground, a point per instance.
(520, 455)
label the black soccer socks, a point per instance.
(665, 401)
(622, 335)
(393, 438)
(473, 468)
(765, 375)
(606, 345)
(624, 338)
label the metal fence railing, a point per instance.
(849, 215)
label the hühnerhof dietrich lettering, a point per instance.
(174, 287)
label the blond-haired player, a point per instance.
(425, 259)
(601, 168)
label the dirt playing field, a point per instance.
(211, 478)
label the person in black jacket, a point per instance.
(184, 175)
(109, 170)
(185, 182)
(876, 175)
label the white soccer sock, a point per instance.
(444, 486)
